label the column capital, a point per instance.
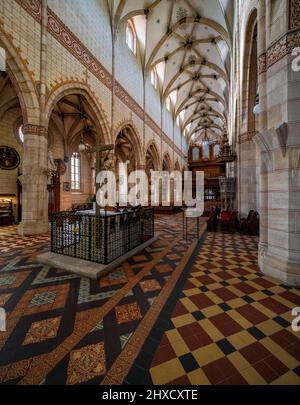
(31, 129)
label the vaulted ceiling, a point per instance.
(188, 42)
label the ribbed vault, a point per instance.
(188, 43)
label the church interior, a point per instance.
(148, 295)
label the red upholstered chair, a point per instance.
(212, 222)
(245, 221)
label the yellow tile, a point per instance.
(208, 354)
(234, 290)
(236, 316)
(206, 324)
(189, 305)
(280, 353)
(213, 286)
(195, 282)
(212, 296)
(212, 311)
(183, 320)
(257, 296)
(191, 292)
(167, 372)
(173, 335)
(285, 302)
(255, 286)
(239, 361)
(215, 334)
(276, 289)
(198, 377)
(252, 377)
(289, 378)
(241, 339)
(180, 347)
(263, 309)
(236, 303)
(269, 327)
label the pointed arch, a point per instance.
(153, 151)
(22, 81)
(133, 138)
(167, 163)
(95, 109)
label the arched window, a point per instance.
(21, 133)
(75, 172)
(196, 155)
(154, 79)
(205, 150)
(216, 150)
(130, 38)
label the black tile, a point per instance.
(198, 315)
(281, 321)
(256, 333)
(204, 289)
(297, 371)
(226, 347)
(225, 307)
(243, 279)
(268, 293)
(224, 283)
(189, 363)
(248, 299)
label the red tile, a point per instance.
(163, 354)
(205, 280)
(225, 294)
(252, 314)
(189, 286)
(197, 341)
(185, 331)
(267, 373)
(225, 324)
(196, 328)
(277, 365)
(274, 306)
(241, 271)
(288, 295)
(224, 275)
(201, 301)
(294, 350)
(263, 282)
(179, 310)
(284, 338)
(255, 353)
(219, 370)
(236, 379)
(184, 381)
(245, 288)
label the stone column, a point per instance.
(279, 253)
(34, 182)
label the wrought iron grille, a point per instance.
(100, 239)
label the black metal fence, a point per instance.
(100, 239)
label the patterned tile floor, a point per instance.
(180, 312)
(63, 329)
(230, 324)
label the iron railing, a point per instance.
(100, 239)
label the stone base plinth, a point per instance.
(287, 272)
(88, 269)
(33, 228)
